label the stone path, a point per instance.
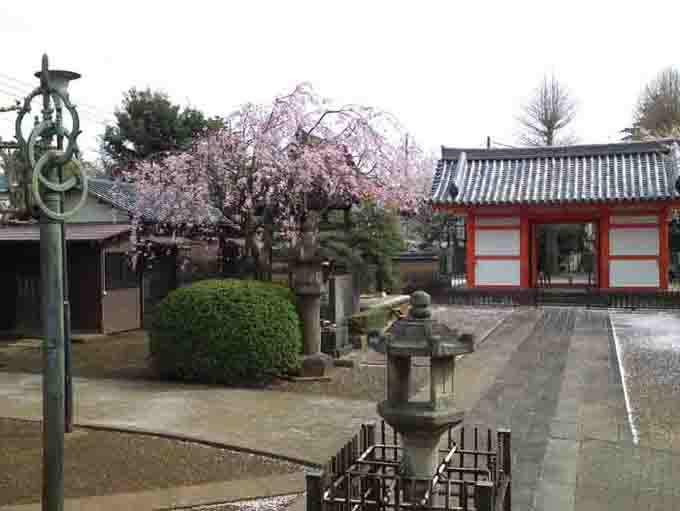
(302, 427)
(524, 397)
(560, 393)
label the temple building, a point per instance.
(592, 216)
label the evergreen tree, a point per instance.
(148, 123)
(364, 243)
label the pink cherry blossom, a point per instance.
(273, 162)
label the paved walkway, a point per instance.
(561, 395)
(551, 375)
(301, 427)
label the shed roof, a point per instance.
(116, 193)
(4, 186)
(74, 232)
(639, 171)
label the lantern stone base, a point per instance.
(421, 454)
(419, 418)
(315, 366)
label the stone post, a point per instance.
(314, 499)
(308, 290)
(309, 309)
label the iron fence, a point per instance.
(367, 474)
(590, 298)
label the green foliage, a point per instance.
(430, 227)
(375, 318)
(148, 123)
(368, 246)
(226, 331)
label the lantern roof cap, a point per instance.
(421, 336)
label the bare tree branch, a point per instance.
(657, 113)
(548, 112)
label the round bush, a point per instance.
(226, 331)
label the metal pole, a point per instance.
(47, 186)
(51, 267)
(68, 377)
(51, 275)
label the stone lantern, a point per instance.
(421, 423)
(308, 287)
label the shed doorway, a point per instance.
(565, 255)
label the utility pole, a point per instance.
(47, 181)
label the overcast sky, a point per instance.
(453, 72)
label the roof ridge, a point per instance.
(653, 146)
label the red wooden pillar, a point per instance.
(524, 235)
(603, 244)
(470, 247)
(664, 248)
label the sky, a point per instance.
(453, 72)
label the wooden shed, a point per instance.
(105, 293)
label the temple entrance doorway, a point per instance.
(565, 255)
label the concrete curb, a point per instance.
(197, 439)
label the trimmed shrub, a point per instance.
(226, 331)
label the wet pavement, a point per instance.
(649, 347)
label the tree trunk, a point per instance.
(266, 262)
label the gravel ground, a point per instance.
(123, 356)
(105, 463)
(267, 504)
(649, 352)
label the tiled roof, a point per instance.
(74, 232)
(123, 196)
(118, 194)
(4, 186)
(639, 171)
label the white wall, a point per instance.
(497, 273)
(634, 241)
(501, 242)
(636, 273)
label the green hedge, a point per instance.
(226, 331)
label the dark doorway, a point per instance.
(565, 254)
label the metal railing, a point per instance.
(587, 297)
(367, 474)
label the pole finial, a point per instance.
(43, 70)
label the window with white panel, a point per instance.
(634, 241)
(497, 242)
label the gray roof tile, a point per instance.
(552, 175)
(118, 194)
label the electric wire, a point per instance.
(26, 88)
(83, 108)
